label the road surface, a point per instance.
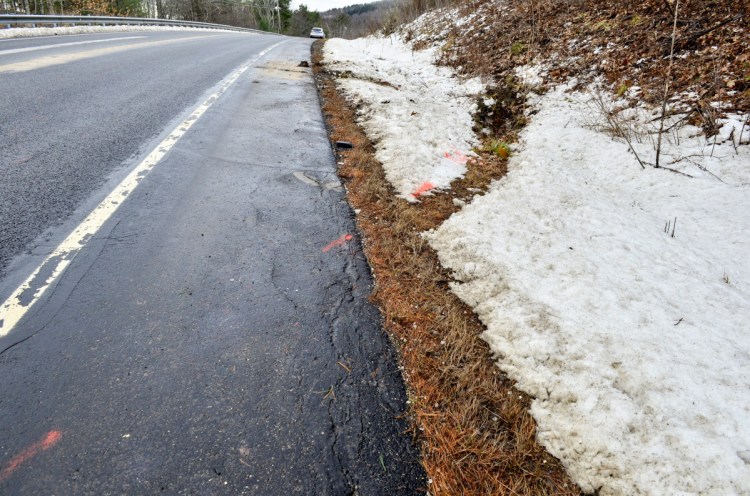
(205, 330)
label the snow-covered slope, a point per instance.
(635, 344)
(418, 114)
(618, 297)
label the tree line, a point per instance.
(267, 15)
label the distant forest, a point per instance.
(268, 15)
(357, 20)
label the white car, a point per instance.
(317, 33)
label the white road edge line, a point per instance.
(47, 47)
(27, 294)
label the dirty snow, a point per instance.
(418, 115)
(634, 343)
(67, 30)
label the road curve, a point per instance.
(73, 114)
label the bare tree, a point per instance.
(667, 81)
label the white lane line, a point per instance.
(47, 47)
(34, 287)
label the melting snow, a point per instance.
(633, 342)
(419, 115)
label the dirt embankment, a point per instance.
(476, 434)
(474, 427)
(628, 43)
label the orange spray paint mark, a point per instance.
(339, 242)
(424, 188)
(51, 439)
(456, 156)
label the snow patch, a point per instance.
(419, 116)
(531, 76)
(633, 342)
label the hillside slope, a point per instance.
(608, 264)
(627, 42)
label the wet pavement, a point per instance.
(215, 336)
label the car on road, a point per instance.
(317, 33)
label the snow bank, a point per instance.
(418, 115)
(67, 30)
(634, 343)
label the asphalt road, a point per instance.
(65, 127)
(213, 336)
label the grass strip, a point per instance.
(475, 430)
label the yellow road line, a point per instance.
(12, 51)
(34, 287)
(65, 58)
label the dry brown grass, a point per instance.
(626, 41)
(476, 434)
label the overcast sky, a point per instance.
(323, 5)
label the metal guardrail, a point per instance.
(8, 20)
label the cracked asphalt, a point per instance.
(215, 336)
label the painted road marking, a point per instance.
(34, 287)
(47, 47)
(337, 242)
(65, 58)
(50, 439)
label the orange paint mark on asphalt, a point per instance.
(424, 188)
(51, 439)
(339, 242)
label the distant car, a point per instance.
(317, 33)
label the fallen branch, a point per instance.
(705, 169)
(689, 40)
(675, 171)
(669, 8)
